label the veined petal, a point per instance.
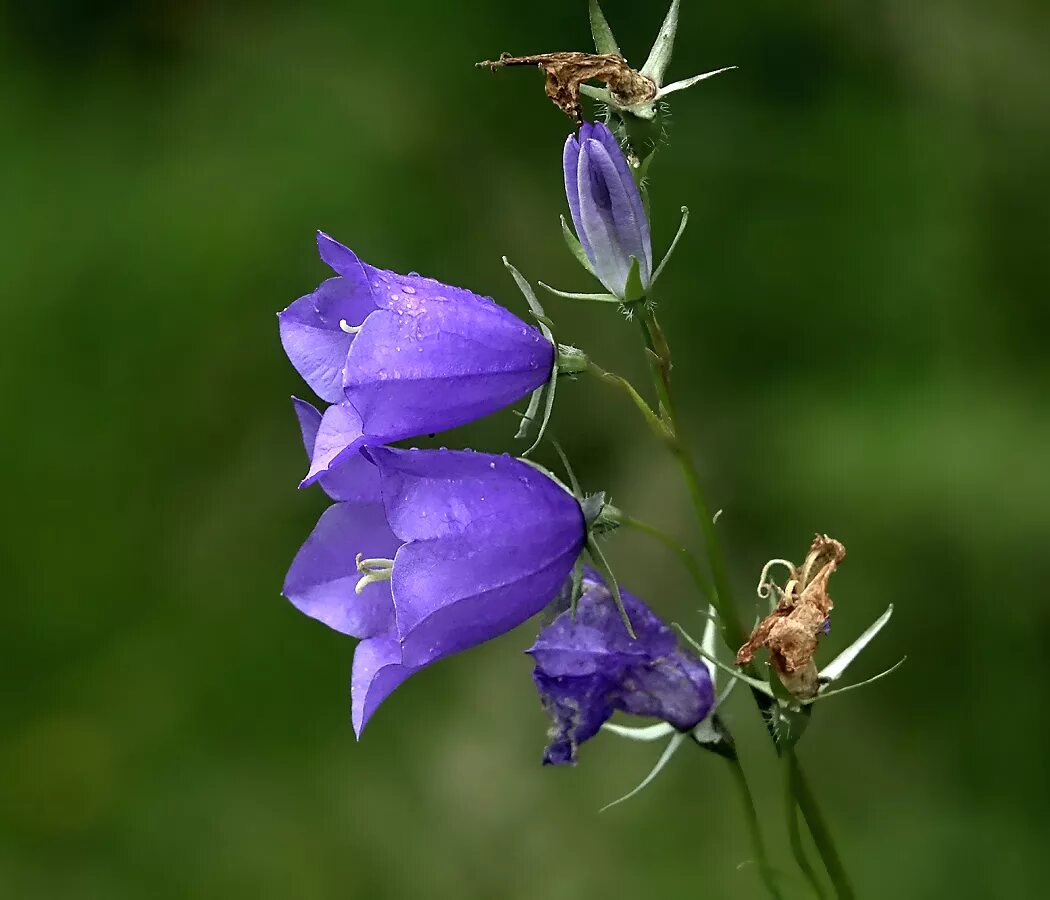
(570, 164)
(588, 667)
(456, 592)
(317, 351)
(323, 575)
(629, 227)
(377, 672)
(355, 479)
(436, 493)
(441, 364)
(339, 438)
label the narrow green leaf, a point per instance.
(604, 42)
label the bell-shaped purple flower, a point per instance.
(607, 208)
(402, 355)
(478, 543)
(588, 668)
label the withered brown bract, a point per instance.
(565, 72)
(790, 631)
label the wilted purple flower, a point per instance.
(403, 355)
(587, 669)
(477, 544)
(606, 208)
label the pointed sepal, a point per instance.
(604, 41)
(672, 747)
(837, 667)
(663, 47)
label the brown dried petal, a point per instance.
(565, 72)
(791, 630)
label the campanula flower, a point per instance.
(470, 544)
(607, 209)
(588, 668)
(402, 355)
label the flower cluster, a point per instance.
(429, 552)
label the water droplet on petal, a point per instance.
(408, 289)
(492, 465)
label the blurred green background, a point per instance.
(860, 315)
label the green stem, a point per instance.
(818, 828)
(794, 833)
(688, 560)
(748, 801)
(658, 353)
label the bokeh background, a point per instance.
(860, 314)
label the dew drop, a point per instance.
(408, 289)
(492, 465)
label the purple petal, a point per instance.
(317, 351)
(323, 575)
(578, 709)
(601, 133)
(339, 439)
(587, 668)
(570, 165)
(434, 493)
(309, 421)
(405, 292)
(377, 671)
(442, 364)
(355, 479)
(609, 219)
(456, 592)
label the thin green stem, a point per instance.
(658, 354)
(658, 426)
(751, 815)
(794, 833)
(668, 540)
(818, 828)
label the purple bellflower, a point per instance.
(462, 547)
(607, 209)
(588, 668)
(402, 355)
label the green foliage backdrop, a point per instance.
(860, 317)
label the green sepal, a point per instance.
(592, 507)
(634, 290)
(569, 295)
(604, 41)
(663, 46)
(605, 570)
(665, 758)
(575, 247)
(530, 414)
(545, 326)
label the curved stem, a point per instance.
(794, 833)
(818, 828)
(753, 827)
(668, 540)
(658, 353)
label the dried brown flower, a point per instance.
(791, 630)
(565, 73)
